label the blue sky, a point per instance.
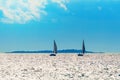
(34, 24)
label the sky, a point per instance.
(34, 24)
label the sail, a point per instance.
(55, 48)
(83, 47)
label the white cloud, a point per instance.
(22, 11)
(61, 3)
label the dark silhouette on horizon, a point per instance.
(58, 51)
(80, 52)
(83, 49)
(54, 49)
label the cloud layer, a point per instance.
(22, 11)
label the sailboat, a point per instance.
(83, 49)
(54, 49)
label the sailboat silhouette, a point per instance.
(83, 49)
(54, 49)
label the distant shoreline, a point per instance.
(105, 53)
(67, 51)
